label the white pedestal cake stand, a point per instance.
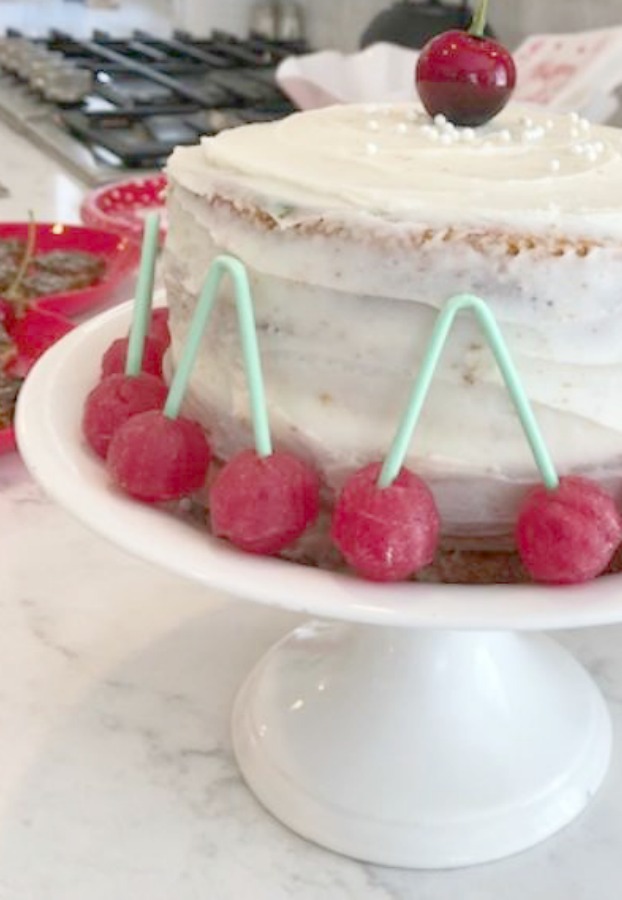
(428, 726)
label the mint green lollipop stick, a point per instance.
(401, 442)
(144, 295)
(221, 266)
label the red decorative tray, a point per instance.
(32, 334)
(122, 206)
(120, 254)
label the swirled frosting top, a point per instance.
(525, 167)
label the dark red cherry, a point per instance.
(465, 76)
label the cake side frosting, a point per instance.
(339, 345)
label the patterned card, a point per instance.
(566, 72)
(570, 71)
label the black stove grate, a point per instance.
(152, 93)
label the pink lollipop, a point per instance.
(115, 359)
(158, 455)
(386, 533)
(156, 458)
(142, 350)
(261, 500)
(263, 503)
(156, 343)
(120, 396)
(569, 534)
(115, 400)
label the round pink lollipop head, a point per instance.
(158, 326)
(114, 359)
(568, 535)
(115, 400)
(263, 504)
(155, 458)
(385, 534)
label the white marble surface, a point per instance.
(116, 775)
(36, 184)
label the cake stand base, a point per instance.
(423, 749)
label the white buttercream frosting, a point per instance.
(529, 170)
(346, 292)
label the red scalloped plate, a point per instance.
(120, 254)
(123, 205)
(32, 334)
(7, 440)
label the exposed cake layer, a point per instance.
(346, 291)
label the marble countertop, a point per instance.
(116, 773)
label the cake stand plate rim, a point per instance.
(49, 438)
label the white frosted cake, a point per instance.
(356, 224)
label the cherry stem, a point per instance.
(478, 23)
(29, 252)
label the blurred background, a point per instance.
(328, 23)
(109, 87)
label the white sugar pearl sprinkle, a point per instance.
(401, 127)
(590, 150)
(555, 165)
(535, 133)
(373, 125)
(371, 149)
(430, 132)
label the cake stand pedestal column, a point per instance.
(421, 748)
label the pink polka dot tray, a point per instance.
(122, 206)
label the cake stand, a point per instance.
(408, 725)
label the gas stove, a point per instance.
(108, 107)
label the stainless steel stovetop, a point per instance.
(38, 121)
(108, 107)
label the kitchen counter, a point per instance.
(36, 184)
(116, 775)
